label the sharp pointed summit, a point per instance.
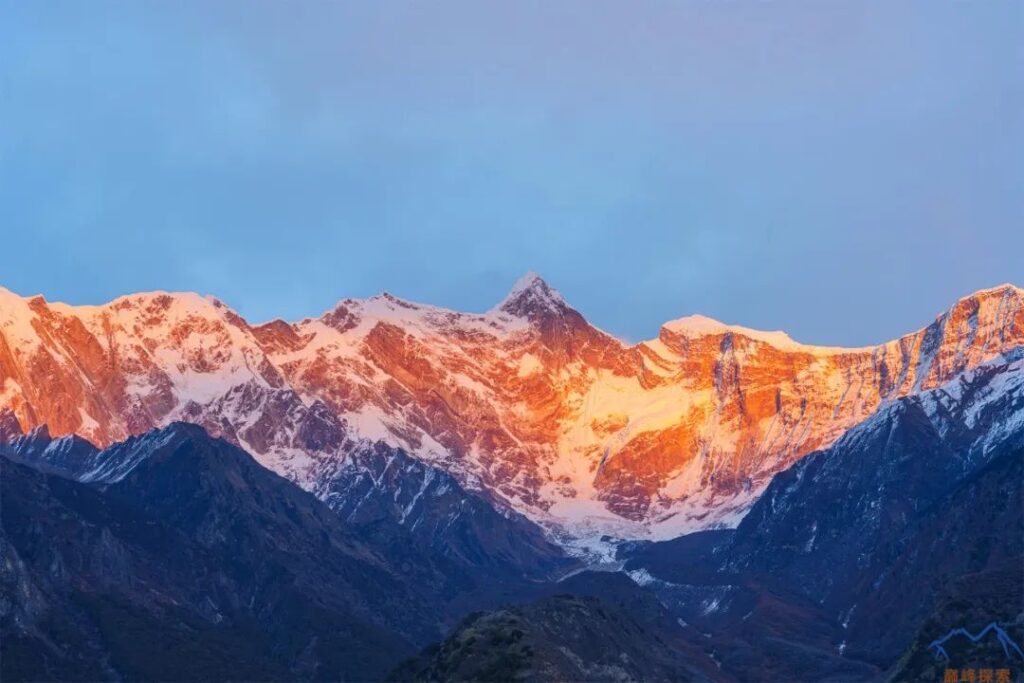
(532, 297)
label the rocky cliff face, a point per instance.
(527, 403)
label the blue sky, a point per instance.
(840, 170)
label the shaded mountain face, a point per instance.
(847, 553)
(974, 530)
(754, 628)
(188, 540)
(178, 557)
(192, 567)
(882, 576)
(527, 403)
(381, 489)
(820, 521)
(840, 522)
(418, 515)
(70, 455)
(93, 590)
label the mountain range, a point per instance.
(398, 491)
(527, 404)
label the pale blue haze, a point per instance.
(842, 170)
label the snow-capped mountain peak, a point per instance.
(700, 326)
(527, 403)
(531, 297)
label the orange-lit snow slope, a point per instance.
(527, 403)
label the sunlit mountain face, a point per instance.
(398, 490)
(527, 404)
